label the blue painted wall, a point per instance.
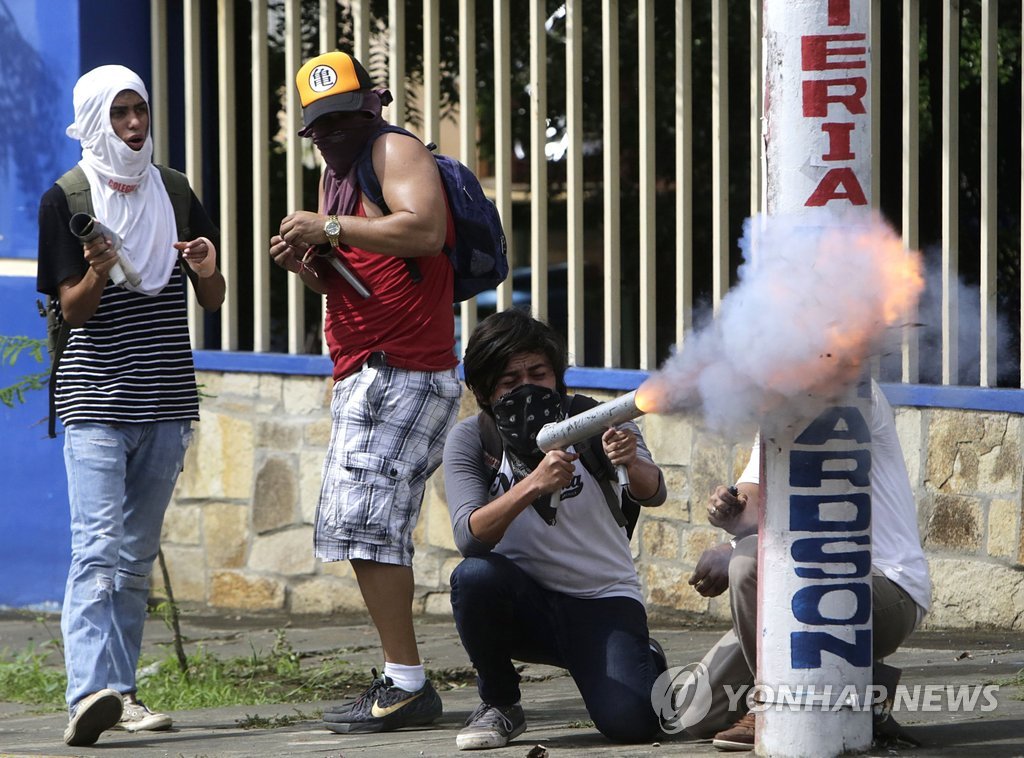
(43, 50)
(34, 531)
(39, 61)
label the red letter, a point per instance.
(827, 189)
(817, 98)
(838, 12)
(815, 52)
(838, 142)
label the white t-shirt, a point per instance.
(895, 540)
(585, 554)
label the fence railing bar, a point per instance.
(910, 119)
(988, 370)
(191, 26)
(756, 95)
(503, 136)
(648, 196)
(538, 160)
(159, 119)
(467, 127)
(720, 243)
(611, 174)
(574, 177)
(684, 167)
(950, 190)
(260, 154)
(293, 164)
(227, 165)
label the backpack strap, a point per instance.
(75, 185)
(492, 444)
(626, 511)
(369, 185)
(59, 342)
(76, 188)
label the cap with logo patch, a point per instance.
(329, 83)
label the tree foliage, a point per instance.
(11, 348)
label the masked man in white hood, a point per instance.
(124, 386)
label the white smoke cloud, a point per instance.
(818, 295)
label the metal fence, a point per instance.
(623, 151)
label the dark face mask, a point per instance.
(519, 416)
(522, 413)
(340, 137)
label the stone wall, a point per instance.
(239, 532)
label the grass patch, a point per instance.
(275, 722)
(36, 676)
(275, 677)
(1017, 680)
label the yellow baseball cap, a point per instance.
(329, 83)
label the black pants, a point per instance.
(502, 614)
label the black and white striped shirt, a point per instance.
(131, 362)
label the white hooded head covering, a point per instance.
(128, 195)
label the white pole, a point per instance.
(814, 605)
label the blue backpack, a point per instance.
(480, 255)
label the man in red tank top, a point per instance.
(391, 338)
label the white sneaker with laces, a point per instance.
(93, 716)
(136, 717)
(490, 726)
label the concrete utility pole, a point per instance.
(814, 654)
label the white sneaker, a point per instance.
(138, 718)
(93, 716)
(489, 726)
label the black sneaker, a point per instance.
(490, 726)
(348, 705)
(384, 707)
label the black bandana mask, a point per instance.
(522, 413)
(341, 145)
(519, 416)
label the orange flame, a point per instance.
(651, 394)
(849, 341)
(809, 354)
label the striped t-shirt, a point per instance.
(131, 362)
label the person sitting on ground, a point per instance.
(900, 578)
(547, 575)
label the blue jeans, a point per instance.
(502, 614)
(120, 480)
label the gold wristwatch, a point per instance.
(332, 228)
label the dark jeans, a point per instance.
(502, 614)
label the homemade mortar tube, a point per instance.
(86, 228)
(561, 434)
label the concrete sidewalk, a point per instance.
(554, 711)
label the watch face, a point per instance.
(332, 227)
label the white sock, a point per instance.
(409, 678)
